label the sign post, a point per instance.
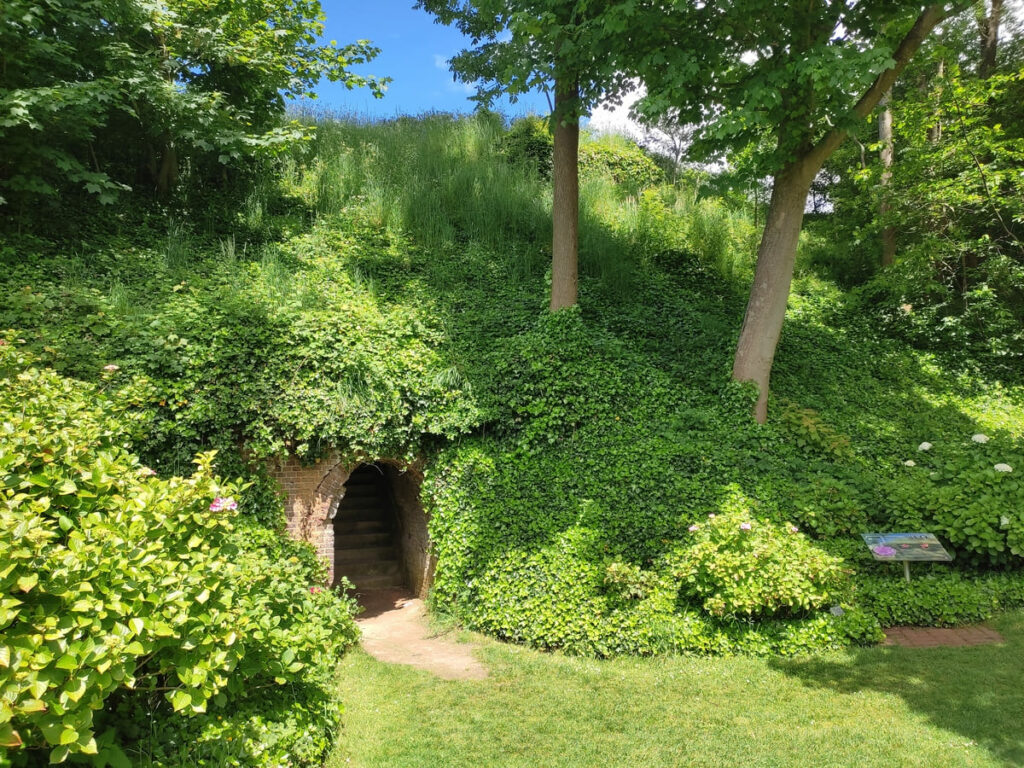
(906, 547)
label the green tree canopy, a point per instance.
(106, 94)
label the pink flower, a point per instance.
(219, 504)
(111, 368)
(711, 516)
(147, 472)
(745, 526)
(794, 529)
(315, 590)
(693, 528)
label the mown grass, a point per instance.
(871, 707)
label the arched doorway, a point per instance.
(380, 530)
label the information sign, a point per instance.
(916, 547)
(906, 547)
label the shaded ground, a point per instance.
(395, 630)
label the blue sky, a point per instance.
(413, 54)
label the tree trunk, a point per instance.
(935, 131)
(167, 176)
(566, 202)
(989, 28)
(776, 258)
(885, 139)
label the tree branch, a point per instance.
(930, 18)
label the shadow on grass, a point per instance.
(977, 692)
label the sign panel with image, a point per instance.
(918, 547)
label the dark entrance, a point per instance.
(366, 534)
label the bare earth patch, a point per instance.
(395, 630)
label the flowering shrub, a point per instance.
(967, 492)
(121, 592)
(739, 566)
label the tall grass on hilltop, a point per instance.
(438, 178)
(446, 182)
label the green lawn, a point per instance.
(871, 707)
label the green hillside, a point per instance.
(594, 479)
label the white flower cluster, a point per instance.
(979, 438)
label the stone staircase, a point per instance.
(364, 533)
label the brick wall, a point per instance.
(312, 495)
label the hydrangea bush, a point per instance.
(127, 599)
(737, 565)
(968, 492)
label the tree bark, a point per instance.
(935, 131)
(776, 256)
(167, 176)
(885, 139)
(989, 28)
(566, 202)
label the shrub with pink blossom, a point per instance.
(738, 565)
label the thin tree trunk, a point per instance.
(935, 131)
(885, 139)
(167, 177)
(989, 28)
(566, 202)
(776, 256)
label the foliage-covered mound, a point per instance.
(143, 620)
(594, 479)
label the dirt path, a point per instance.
(395, 630)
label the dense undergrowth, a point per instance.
(129, 598)
(595, 481)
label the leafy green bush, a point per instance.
(622, 160)
(279, 707)
(966, 491)
(529, 141)
(738, 565)
(121, 588)
(560, 597)
(939, 599)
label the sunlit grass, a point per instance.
(879, 707)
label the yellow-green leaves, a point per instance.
(96, 591)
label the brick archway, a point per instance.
(313, 493)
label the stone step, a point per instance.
(379, 582)
(363, 506)
(345, 516)
(345, 527)
(359, 572)
(380, 538)
(364, 554)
